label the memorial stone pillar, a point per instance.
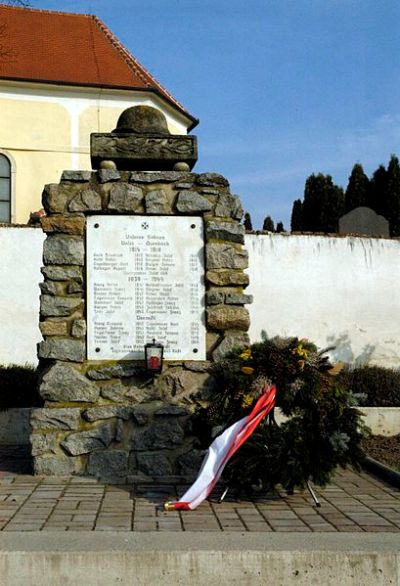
(141, 248)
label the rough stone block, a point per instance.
(160, 177)
(54, 306)
(109, 464)
(74, 225)
(231, 340)
(154, 464)
(223, 317)
(225, 256)
(164, 434)
(65, 384)
(55, 419)
(212, 339)
(79, 328)
(125, 198)
(190, 463)
(119, 431)
(55, 198)
(197, 365)
(106, 175)
(63, 273)
(107, 412)
(226, 277)
(157, 202)
(111, 371)
(63, 349)
(183, 185)
(209, 191)
(168, 410)
(231, 231)
(53, 327)
(51, 288)
(114, 392)
(76, 176)
(179, 384)
(229, 206)
(63, 250)
(214, 297)
(89, 441)
(190, 202)
(74, 287)
(86, 200)
(54, 466)
(212, 179)
(238, 299)
(43, 443)
(141, 415)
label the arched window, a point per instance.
(5, 189)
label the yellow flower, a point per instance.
(247, 400)
(300, 351)
(246, 354)
(247, 370)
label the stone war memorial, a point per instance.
(139, 249)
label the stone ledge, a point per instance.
(197, 559)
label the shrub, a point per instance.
(374, 386)
(18, 387)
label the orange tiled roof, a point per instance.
(75, 49)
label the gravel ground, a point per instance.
(384, 449)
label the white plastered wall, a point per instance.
(340, 292)
(333, 291)
(20, 262)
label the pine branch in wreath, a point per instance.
(323, 429)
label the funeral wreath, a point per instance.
(322, 428)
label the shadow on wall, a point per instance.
(343, 352)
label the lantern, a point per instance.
(153, 353)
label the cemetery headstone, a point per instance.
(365, 221)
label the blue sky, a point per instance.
(283, 88)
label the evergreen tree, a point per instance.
(378, 191)
(268, 224)
(296, 221)
(392, 196)
(323, 204)
(247, 222)
(357, 189)
(279, 227)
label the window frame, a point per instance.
(10, 178)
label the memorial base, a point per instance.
(108, 418)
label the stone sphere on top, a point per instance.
(142, 120)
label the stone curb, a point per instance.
(382, 471)
(250, 560)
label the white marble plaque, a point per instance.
(145, 281)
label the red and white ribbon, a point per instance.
(221, 450)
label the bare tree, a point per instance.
(24, 3)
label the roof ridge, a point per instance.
(132, 62)
(44, 10)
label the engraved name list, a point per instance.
(145, 281)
